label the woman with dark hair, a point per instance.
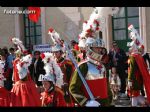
(36, 69)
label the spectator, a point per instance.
(5, 49)
(118, 59)
(36, 69)
(105, 60)
(74, 44)
(114, 81)
(10, 58)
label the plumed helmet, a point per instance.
(82, 43)
(20, 47)
(137, 43)
(53, 71)
(91, 42)
(47, 77)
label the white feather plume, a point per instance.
(54, 36)
(98, 15)
(18, 43)
(51, 68)
(23, 65)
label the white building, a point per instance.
(68, 22)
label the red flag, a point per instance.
(34, 16)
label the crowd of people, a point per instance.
(84, 74)
(25, 80)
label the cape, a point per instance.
(144, 72)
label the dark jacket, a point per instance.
(39, 70)
(120, 56)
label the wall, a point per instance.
(148, 28)
(7, 27)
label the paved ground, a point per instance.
(122, 102)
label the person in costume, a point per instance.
(15, 76)
(93, 70)
(146, 57)
(53, 96)
(19, 53)
(66, 66)
(75, 49)
(82, 55)
(4, 93)
(95, 74)
(24, 93)
(137, 72)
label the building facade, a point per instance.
(68, 22)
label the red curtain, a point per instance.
(34, 16)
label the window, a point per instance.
(32, 31)
(120, 22)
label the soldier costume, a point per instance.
(66, 66)
(137, 71)
(53, 96)
(92, 69)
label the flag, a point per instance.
(34, 16)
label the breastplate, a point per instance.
(95, 73)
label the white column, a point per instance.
(43, 25)
(17, 24)
(142, 24)
(105, 33)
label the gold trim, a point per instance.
(78, 96)
(83, 101)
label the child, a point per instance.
(52, 81)
(114, 83)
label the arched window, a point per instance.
(32, 32)
(120, 22)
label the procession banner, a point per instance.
(42, 48)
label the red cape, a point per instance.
(24, 93)
(144, 72)
(4, 97)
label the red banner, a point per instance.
(34, 16)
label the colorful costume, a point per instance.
(54, 96)
(137, 72)
(15, 76)
(24, 92)
(66, 66)
(92, 70)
